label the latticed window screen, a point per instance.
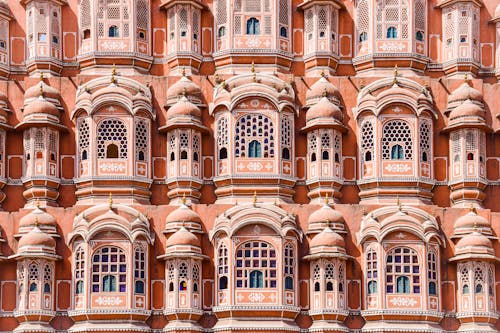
(372, 271)
(112, 131)
(289, 262)
(283, 18)
(221, 13)
(367, 141)
(33, 277)
(330, 277)
(40, 139)
(141, 140)
(479, 279)
(85, 15)
(402, 271)
(254, 127)
(392, 19)
(79, 271)
(425, 141)
(464, 282)
(109, 270)
(419, 15)
(256, 265)
(397, 132)
(47, 279)
(432, 273)
(362, 20)
(223, 266)
(222, 133)
(139, 270)
(253, 17)
(113, 18)
(143, 16)
(286, 132)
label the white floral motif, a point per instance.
(393, 47)
(256, 297)
(112, 167)
(403, 301)
(109, 301)
(254, 166)
(397, 167)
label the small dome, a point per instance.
(475, 239)
(183, 107)
(183, 216)
(471, 220)
(41, 106)
(325, 215)
(324, 109)
(183, 237)
(47, 91)
(112, 89)
(37, 217)
(183, 87)
(36, 238)
(327, 238)
(467, 109)
(464, 92)
(322, 87)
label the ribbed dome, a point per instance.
(327, 238)
(326, 214)
(464, 92)
(41, 106)
(48, 91)
(183, 108)
(324, 109)
(471, 220)
(183, 87)
(36, 238)
(112, 89)
(467, 109)
(183, 216)
(183, 237)
(475, 239)
(322, 87)
(37, 216)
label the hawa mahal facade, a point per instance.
(236, 166)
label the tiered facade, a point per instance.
(249, 166)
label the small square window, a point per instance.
(142, 35)
(183, 33)
(463, 39)
(55, 40)
(2, 44)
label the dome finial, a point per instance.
(110, 201)
(255, 198)
(398, 203)
(466, 77)
(324, 92)
(37, 203)
(472, 209)
(327, 199)
(395, 80)
(36, 222)
(41, 88)
(184, 92)
(474, 227)
(183, 71)
(41, 76)
(184, 199)
(252, 69)
(323, 73)
(113, 74)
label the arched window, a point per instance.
(222, 266)
(141, 139)
(183, 286)
(139, 269)
(371, 271)
(470, 157)
(109, 283)
(112, 151)
(363, 37)
(367, 141)
(479, 279)
(289, 262)
(113, 31)
(419, 35)
(325, 156)
(79, 270)
(83, 138)
(465, 289)
(253, 26)
(403, 285)
(432, 276)
(403, 271)
(329, 276)
(253, 127)
(47, 279)
(254, 149)
(283, 32)
(392, 32)
(223, 153)
(183, 276)
(221, 32)
(285, 154)
(397, 133)
(195, 277)
(263, 258)
(256, 279)
(317, 286)
(109, 270)
(372, 287)
(34, 274)
(112, 132)
(397, 152)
